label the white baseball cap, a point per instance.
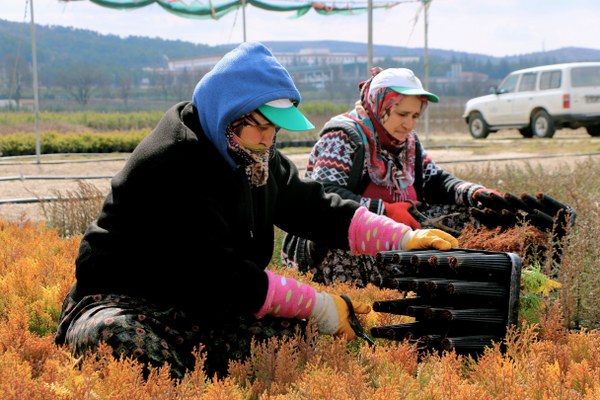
(286, 115)
(403, 81)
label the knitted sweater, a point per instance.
(338, 161)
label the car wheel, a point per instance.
(478, 127)
(526, 132)
(542, 125)
(593, 130)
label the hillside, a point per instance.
(80, 68)
(59, 46)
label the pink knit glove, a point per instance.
(287, 298)
(371, 233)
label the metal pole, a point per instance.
(36, 101)
(370, 38)
(244, 18)
(426, 66)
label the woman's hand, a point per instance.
(428, 239)
(400, 212)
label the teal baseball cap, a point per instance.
(285, 114)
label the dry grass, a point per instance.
(73, 210)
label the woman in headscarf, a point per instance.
(372, 155)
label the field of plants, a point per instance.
(552, 353)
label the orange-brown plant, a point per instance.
(36, 270)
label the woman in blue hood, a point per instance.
(177, 256)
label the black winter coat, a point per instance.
(181, 228)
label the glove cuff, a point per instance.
(406, 238)
(370, 233)
(287, 298)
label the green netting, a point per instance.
(123, 3)
(278, 7)
(197, 9)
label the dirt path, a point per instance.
(18, 181)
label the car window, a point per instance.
(528, 82)
(509, 84)
(585, 76)
(550, 80)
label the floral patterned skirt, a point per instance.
(135, 328)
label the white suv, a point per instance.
(539, 100)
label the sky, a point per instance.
(491, 27)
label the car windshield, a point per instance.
(585, 76)
(509, 84)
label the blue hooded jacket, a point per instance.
(243, 80)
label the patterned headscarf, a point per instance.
(391, 163)
(255, 163)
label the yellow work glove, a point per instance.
(330, 315)
(420, 239)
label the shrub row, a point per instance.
(116, 121)
(87, 119)
(18, 144)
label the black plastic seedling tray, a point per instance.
(461, 299)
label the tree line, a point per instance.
(83, 69)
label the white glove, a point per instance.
(331, 315)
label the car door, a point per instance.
(498, 111)
(523, 99)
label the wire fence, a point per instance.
(301, 169)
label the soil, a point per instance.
(22, 181)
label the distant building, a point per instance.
(457, 82)
(310, 66)
(7, 103)
(193, 64)
(308, 56)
